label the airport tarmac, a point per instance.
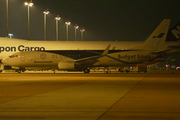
(73, 96)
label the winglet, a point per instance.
(106, 51)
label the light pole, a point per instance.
(10, 35)
(7, 18)
(82, 30)
(67, 24)
(29, 4)
(57, 19)
(76, 27)
(46, 12)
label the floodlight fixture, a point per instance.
(10, 35)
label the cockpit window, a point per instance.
(12, 56)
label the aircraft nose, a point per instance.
(4, 61)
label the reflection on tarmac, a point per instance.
(154, 95)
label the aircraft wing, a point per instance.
(93, 59)
(161, 53)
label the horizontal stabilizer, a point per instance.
(161, 51)
(174, 46)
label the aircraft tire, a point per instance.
(86, 70)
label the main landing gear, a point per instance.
(86, 70)
(20, 70)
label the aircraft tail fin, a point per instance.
(157, 39)
(174, 33)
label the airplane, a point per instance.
(8, 46)
(151, 51)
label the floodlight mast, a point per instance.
(67, 24)
(57, 19)
(7, 18)
(46, 12)
(76, 27)
(29, 4)
(82, 31)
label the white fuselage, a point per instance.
(10, 46)
(48, 60)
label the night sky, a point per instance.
(104, 20)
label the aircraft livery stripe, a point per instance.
(83, 53)
(90, 53)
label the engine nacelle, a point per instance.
(66, 65)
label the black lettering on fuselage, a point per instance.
(139, 56)
(20, 48)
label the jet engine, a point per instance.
(65, 65)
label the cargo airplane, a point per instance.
(84, 55)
